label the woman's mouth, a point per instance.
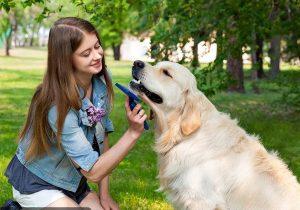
(97, 65)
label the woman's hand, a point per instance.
(108, 203)
(136, 119)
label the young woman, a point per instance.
(64, 141)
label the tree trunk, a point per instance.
(195, 61)
(31, 39)
(197, 37)
(235, 66)
(220, 51)
(15, 30)
(8, 40)
(235, 69)
(37, 34)
(154, 50)
(257, 59)
(116, 51)
(274, 51)
(275, 56)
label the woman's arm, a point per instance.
(104, 183)
(110, 159)
(105, 199)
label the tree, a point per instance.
(6, 27)
(112, 19)
(234, 22)
(259, 31)
(9, 4)
(11, 18)
(257, 57)
(174, 28)
(291, 27)
(274, 51)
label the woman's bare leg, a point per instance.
(64, 202)
(91, 201)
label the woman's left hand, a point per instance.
(108, 203)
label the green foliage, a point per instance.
(178, 21)
(7, 4)
(22, 22)
(173, 22)
(290, 90)
(234, 23)
(45, 13)
(291, 28)
(4, 23)
(112, 18)
(212, 78)
(26, 3)
(146, 14)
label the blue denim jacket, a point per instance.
(77, 138)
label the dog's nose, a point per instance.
(139, 64)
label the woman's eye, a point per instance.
(86, 55)
(97, 47)
(167, 73)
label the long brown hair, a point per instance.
(59, 86)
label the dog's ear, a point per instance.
(190, 121)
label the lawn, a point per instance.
(133, 182)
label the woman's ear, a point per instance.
(190, 119)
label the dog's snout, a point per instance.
(139, 64)
(137, 68)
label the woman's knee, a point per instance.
(91, 201)
(64, 202)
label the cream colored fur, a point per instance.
(206, 161)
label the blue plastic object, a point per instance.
(133, 100)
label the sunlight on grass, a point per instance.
(24, 59)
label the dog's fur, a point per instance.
(206, 161)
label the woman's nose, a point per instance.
(97, 55)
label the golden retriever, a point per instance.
(206, 161)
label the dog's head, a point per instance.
(171, 91)
(164, 84)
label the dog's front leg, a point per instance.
(200, 205)
(191, 200)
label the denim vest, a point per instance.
(76, 141)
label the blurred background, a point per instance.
(262, 34)
(245, 56)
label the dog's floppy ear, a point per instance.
(190, 121)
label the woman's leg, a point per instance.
(91, 201)
(63, 202)
(44, 198)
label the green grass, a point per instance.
(133, 182)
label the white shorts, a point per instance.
(39, 199)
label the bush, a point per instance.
(289, 84)
(211, 79)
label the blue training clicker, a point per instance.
(133, 100)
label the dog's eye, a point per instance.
(167, 73)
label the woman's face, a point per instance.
(87, 59)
